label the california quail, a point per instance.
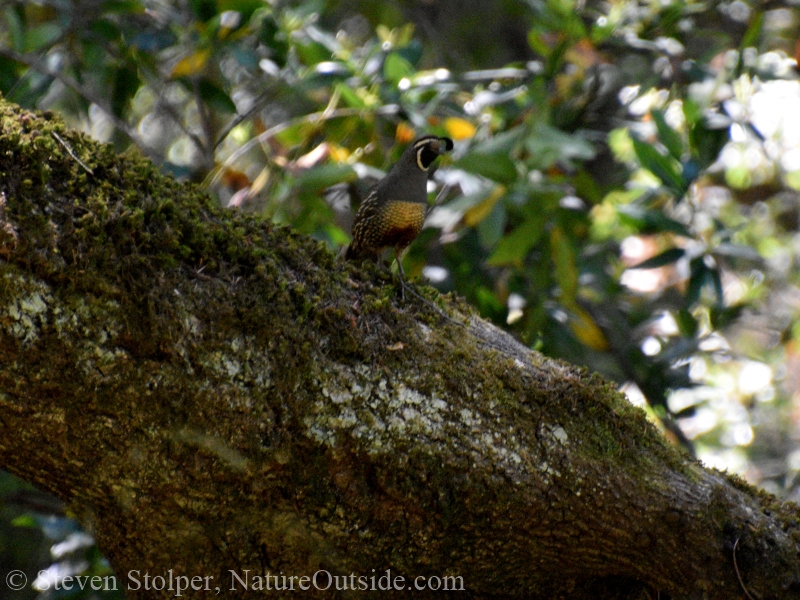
(393, 212)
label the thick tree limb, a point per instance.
(211, 394)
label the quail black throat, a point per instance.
(393, 213)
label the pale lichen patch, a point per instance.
(28, 311)
(385, 415)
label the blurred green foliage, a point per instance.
(623, 193)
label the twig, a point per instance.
(257, 105)
(205, 122)
(438, 200)
(71, 153)
(739, 575)
(316, 117)
(37, 65)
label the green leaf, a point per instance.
(563, 254)
(295, 134)
(665, 258)
(490, 229)
(538, 42)
(661, 166)
(396, 68)
(14, 28)
(126, 84)
(687, 324)
(716, 281)
(668, 136)
(347, 94)
(697, 279)
(548, 145)
(514, 247)
(215, 97)
(706, 143)
(502, 143)
(737, 251)
(689, 411)
(323, 177)
(497, 167)
(8, 74)
(246, 7)
(650, 221)
(40, 36)
(312, 53)
(24, 521)
(691, 112)
(478, 211)
(750, 37)
(123, 6)
(724, 316)
(412, 52)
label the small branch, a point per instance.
(739, 575)
(313, 118)
(239, 117)
(439, 200)
(37, 65)
(71, 153)
(205, 122)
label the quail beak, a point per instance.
(445, 145)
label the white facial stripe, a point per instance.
(419, 158)
(425, 141)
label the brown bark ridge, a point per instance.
(218, 398)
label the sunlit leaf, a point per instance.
(192, 64)
(24, 521)
(338, 153)
(753, 33)
(480, 211)
(667, 135)
(661, 166)
(350, 98)
(260, 182)
(691, 112)
(459, 129)
(396, 68)
(404, 133)
(586, 330)
(403, 35)
(295, 134)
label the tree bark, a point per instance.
(219, 398)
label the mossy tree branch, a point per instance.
(209, 393)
